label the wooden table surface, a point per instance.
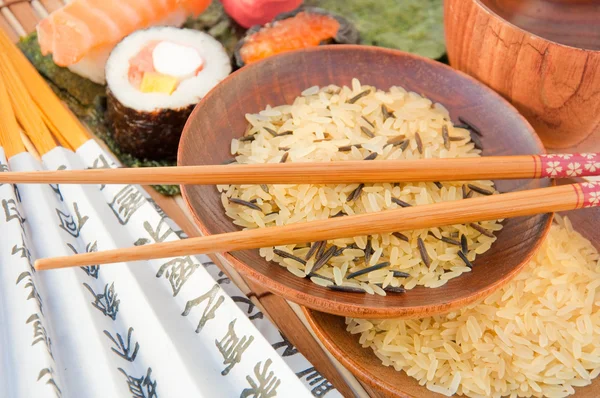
(18, 18)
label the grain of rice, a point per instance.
(489, 348)
(327, 124)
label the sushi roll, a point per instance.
(81, 35)
(154, 79)
(294, 30)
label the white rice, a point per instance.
(321, 121)
(538, 336)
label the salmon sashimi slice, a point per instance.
(301, 31)
(81, 26)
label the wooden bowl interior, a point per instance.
(220, 117)
(365, 365)
(570, 22)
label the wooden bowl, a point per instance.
(542, 55)
(279, 80)
(363, 363)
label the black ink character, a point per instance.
(100, 163)
(56, 187)
(3, 168)
(177, 272)
(11, 211)
(91, 270)
(321, 385)
(158, 209)
(33, 293)
(211, 308)
(251, 307)
(126, 202)
(39, 333)
(232, 347)
(141, 242)
(265, 385)
(223, 279)
(289, 349)
(124, 349)
(162, 231)
(50, 381)
(72, 225)
(142, 387)
(106, 302)
(24, 252)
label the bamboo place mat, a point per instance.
(20, 17)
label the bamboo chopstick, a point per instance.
(514, 204)
(487, 167)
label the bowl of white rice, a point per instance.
(343, 103)
(537, 336)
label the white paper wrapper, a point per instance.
(163, 328)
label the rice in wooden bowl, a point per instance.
(352, 124)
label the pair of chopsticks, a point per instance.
(515, 204)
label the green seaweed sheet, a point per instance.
(414, 26)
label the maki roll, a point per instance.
(294, 30)
(154, 79)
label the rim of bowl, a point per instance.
(495, 15)
(343, 308)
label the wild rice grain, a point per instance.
(456, 138)
(347, 148)
(264, 188)
(247, 138)
(368, 121)
(288, 132)
(359, 96)
(355, 194)
(481, 230)
(368, 269)
(419, 143)
(324, 258)
(470, 195)
(464, 191)
(400, 274)
(445, 137)
(450, 241)
(438, 184)
(348, 289)
(371, 156)
(386, 112)
(270, 131)
(464, 245)
(480, 190)
(400, 202)
(400, 236)
(284, 157)
(394, 289)
(423, 252)
(465, 259)
(368, 251)
(368, 132)
(313, 249)
(283, 254)
(244, 203)
(399, 139)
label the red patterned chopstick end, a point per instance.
(570, 165)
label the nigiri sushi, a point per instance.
(301, 28)
(82, 34)
(154, 79)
